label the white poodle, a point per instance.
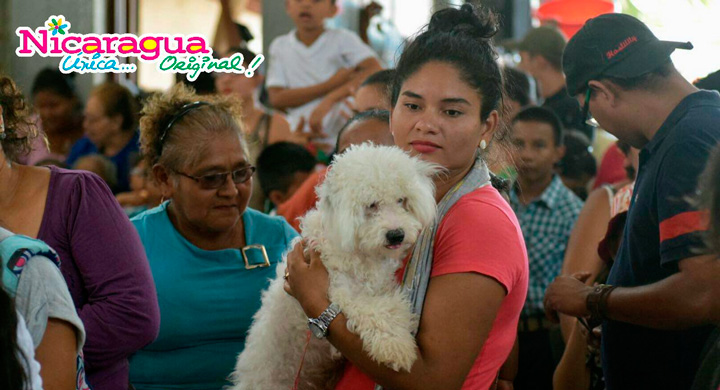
(373, 204)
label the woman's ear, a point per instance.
(489, 126)
(163, 181)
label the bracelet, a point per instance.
(597, 302)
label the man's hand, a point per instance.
(567, 295)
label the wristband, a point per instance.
(596, 302)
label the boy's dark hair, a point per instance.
(248, 55)
(542, 115)
(204, 84)
(378, 115)
(517, 85)
(54, 81)
(278, 163)
(578, 161)
(384, 77)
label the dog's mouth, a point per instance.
(393, 246)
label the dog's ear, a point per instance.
(421, 201)
(340, 216)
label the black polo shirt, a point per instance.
(662, 228)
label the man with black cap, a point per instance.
(541, 56)
(624, 75)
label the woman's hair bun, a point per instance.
(475, 22)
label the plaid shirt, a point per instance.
(546, 223)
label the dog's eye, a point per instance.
(402, 200)
(372, 206)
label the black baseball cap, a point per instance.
(613, 45)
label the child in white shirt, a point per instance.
(312, 68)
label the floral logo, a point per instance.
(56, 25)
(114, 53)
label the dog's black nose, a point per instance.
(395, 236)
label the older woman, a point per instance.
(473, 264)
(210, 254)
(110, 124)
(102, 258)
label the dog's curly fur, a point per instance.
(368, 192)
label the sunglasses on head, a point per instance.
(217, 180)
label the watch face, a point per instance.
(315, 329)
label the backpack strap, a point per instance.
(15, 252)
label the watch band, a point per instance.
(325, 318)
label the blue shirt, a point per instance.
(122, 160)
(662, 228)
(207, 300)
(546, 223)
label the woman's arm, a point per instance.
(57, 355)
(457, 317)
(572, 372)
(121, 314)
(581, 254)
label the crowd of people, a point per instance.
(139, 231)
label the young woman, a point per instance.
(446, 99)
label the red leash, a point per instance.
(302, 360)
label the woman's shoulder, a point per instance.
(484, 205)
(62, 178)
(266, 226)
(150, 219)
(70, 187)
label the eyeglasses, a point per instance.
(217, 180)
(587, 115)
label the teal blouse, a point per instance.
(207, 300)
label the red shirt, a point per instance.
(612, 167)
(302, 201)
(478, 234)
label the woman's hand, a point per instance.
(307, 280)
